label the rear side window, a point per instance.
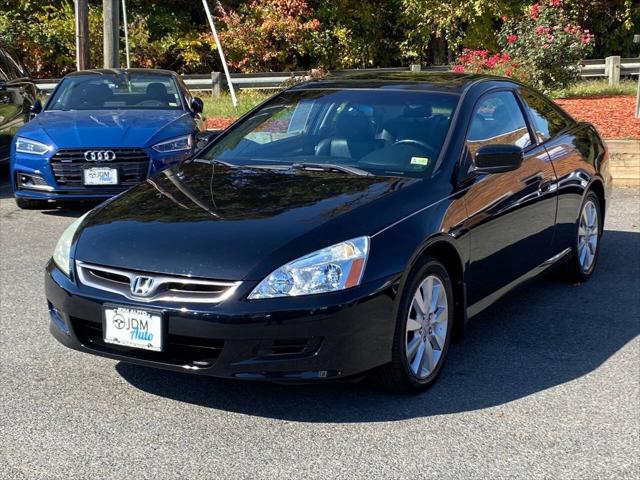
(548, 121)
(497, 119)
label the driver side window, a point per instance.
(497, 119)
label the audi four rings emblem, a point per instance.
(99, 155)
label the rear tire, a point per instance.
(423, 331)
(586, 245)
(29, 204)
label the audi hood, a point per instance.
(107, 128)
(235, 223)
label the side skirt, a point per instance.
(495, 296)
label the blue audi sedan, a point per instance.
(102, 132)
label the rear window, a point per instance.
(117, 91)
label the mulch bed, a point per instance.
(612, 116)
(218, 123)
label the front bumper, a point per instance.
(48, 188)
(290, 339)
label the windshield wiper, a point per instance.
(214, 161)
(330, 167)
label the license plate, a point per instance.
(100, 176)
(133, 327)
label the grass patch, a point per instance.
(222, 106)
(597, 88)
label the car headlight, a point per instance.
(330, 269)
(174, 145)
(25, 145)
(62, 253)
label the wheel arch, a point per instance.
(597, 186)
(442, 248)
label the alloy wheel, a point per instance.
(588, 230)
(426, 330)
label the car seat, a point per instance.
(158, 91)
(354, 139)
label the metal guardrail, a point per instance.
(611, 67)
(607, 67)
(263, 80)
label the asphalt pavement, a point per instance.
(546, 384)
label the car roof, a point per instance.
(446, 82)
(120, 71)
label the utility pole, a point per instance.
(111, 26)
(83, 60)
(636, 40)
(126, 32)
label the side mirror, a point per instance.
(3, 85)
(197, 105)
(36, 108)
(498, 158)
(203, 138)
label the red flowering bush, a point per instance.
(542, 47)
(549, 42)
(481, 61)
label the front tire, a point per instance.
(423, 331)
(586, 244)
(29, 204)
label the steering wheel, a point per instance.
(151, 103)
(409, 141)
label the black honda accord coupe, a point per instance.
(345, 226)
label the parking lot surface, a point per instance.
(546, 384)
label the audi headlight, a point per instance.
(62, 253)
(25, 145)
(174, 145)
(330, 269)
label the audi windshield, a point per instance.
(117, 91)
(377, 132)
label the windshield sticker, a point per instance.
(423, 161)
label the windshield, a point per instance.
(379, 131)
(117, 91)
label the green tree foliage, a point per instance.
(435, 28)
(357, 33)
(261, 35)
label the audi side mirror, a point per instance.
(197, 105)
(203, 138)
(498, 158)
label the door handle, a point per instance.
(534, 179)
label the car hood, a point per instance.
(235, 223)
(110, 128)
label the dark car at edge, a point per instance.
(18, 93)
(346, 226)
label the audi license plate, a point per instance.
(100, 176)
(133, 327)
